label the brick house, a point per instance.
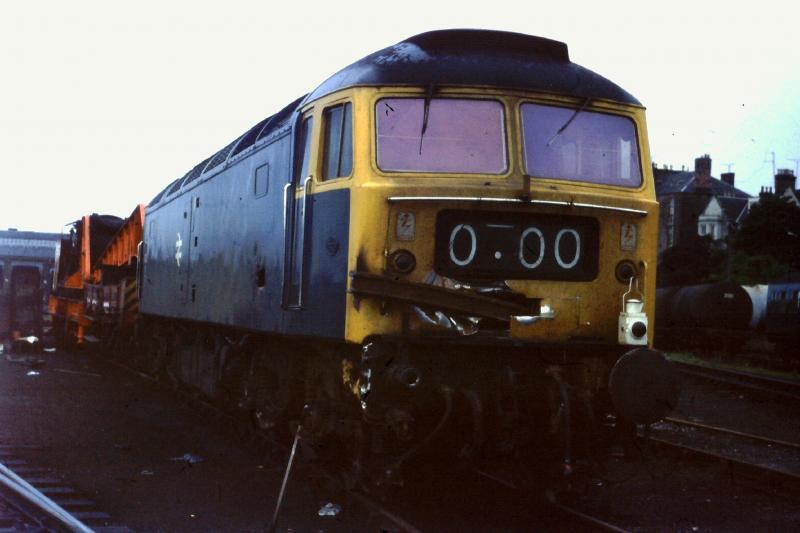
(695, 203)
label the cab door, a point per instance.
(297, 217)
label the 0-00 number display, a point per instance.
(531, 250)
(491, 246)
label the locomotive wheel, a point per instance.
(149, 351)
(268, 389)
(168, 356)
(322, 399)
(156, 356)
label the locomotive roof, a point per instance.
(466, 57)
(28, 245)
(440, 58)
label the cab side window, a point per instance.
(305, 142)
(338, 158)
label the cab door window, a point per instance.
(305, 142)
(338, 139)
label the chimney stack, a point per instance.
(702, 172)
(784, 179)
(727, 177)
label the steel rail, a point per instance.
(597, 522)
(34, 497)
(779, 387)
(575, 513)
(728, 431)
(774, 476)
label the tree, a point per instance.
(771, 229)
(754, 269)
(696, 261)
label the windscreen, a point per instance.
(452, 135)
(571, 144)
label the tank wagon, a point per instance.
(452, 240)
(26, 266)
(710, 316)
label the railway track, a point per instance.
(778, 387)
(745, 456)
(727, 431)
(33, 500)
(13, 517)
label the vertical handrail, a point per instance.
(304, 218)
(287, 244)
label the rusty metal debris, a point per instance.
(430, 296)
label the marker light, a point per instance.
(402, 261)
(624, 271)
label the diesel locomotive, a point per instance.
(449, 244)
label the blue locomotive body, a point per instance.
(215, 249)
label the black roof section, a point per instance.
(677, 181)
(30, 235)
(464, 57)
(733, 207)
(441, 58)
(241, 143)
(28, 245)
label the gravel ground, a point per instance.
(114, 437)
(660, 493)
(656, 492)
(777, 457)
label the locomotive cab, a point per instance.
(451, 195)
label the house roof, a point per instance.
(733, 207)
(791, 196)
(676, 181)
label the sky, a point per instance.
(104, 103)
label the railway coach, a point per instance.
(453, 237)
(26, 266)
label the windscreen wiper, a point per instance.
(427, 108)
(569, 121)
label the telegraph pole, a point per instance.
(796, 165)
(771, 160)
